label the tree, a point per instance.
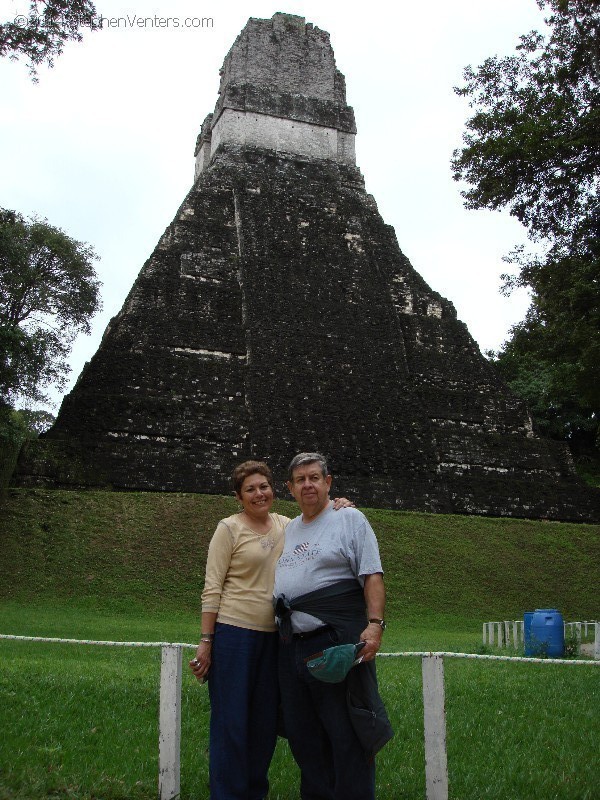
(533, 146)
(558, 410)
(15, 428)
(48, 293)
(42, 34)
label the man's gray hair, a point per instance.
(307, 458)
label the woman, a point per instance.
(239, 639)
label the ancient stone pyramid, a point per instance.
(278, 314)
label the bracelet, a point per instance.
(207, 635)
(208, 641)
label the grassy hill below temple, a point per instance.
(146, 551)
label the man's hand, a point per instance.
(372, 635)
(375, 602)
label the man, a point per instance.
(328, 591)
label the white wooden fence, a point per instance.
(434, 708)
(508, 632)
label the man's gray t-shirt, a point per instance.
(335, 546)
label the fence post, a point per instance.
(490, 633)
(169, 734)
(506, 633)
(597, 640)
(434, 715)
(484, 637)
(515, 634)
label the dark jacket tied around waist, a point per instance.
(342, 606)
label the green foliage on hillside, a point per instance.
(16, 427)
(146, 551)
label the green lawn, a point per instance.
(82, 721)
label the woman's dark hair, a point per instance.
(241, 472)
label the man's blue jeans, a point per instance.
(244, 699)
(332, 762)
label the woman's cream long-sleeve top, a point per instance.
(240, 571)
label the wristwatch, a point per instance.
(380, 622)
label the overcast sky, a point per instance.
(103, 145)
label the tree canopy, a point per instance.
(533, 142)
(48, 293)
(533, 146)
(41, 34)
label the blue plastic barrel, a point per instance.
(527, 617)
(548, 633)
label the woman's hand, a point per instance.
(201, 663)
(342, 502)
